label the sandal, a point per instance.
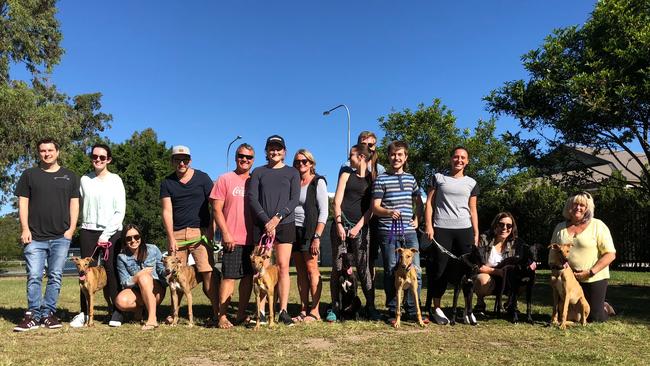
(150, 326)
(309, 318)
(300, 318)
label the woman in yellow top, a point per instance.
(592, 252)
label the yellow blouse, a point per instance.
(588, 246)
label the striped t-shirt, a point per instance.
(396, 192)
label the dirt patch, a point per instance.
(201, 361)
(318, 344)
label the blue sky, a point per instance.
(202, 72)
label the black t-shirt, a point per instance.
(189, 200)
(356, 197)
(49, 200)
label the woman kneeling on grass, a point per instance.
(142, 275)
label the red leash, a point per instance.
(105, 245)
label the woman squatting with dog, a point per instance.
(349, 234)
(497, 244)
(451, 218)
(273, 196)
(591, 253)
(310, 218)
(142, 275)
(103, 205)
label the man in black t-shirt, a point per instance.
(184, 197)
(48, 205)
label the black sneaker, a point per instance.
(285, 318)
(372, 314)
(51, 322)
(28, 323)
(263, 320)
(116, 319)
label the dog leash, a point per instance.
(266, 243)
(105, 245)
(396, 236)
(185, 243)
(441, 248)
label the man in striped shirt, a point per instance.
(395, 195)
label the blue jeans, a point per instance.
(390, 258)
(36, 254)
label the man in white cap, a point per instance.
(184, 197)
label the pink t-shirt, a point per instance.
(230, 188)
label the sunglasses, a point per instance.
(370, 145)
(301, 161)
(98, 157)
(503, 225)
(244, 156)
(181, 160)
(132, 238)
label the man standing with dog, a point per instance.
(233, 219)
(184, 197)
(48, 205)
(394, 194)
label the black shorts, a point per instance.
(301, 244)
(237, 263)
(285, 233)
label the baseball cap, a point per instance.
(180, 150)
(275, 139)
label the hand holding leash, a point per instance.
(172, 247)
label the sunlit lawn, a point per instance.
(624, 340)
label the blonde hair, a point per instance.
(583, 198)
(309, 157)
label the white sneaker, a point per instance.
(79, 320)
(440, 317)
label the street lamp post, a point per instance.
(228, 151)
(326, 113)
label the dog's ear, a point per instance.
(266, 256)
(75, 259)
(553, 246)
(413, 250)
(399, 250)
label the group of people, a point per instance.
(376, 210)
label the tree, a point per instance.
(30, 38)
(10, 246)
(431, 133)
(589, 85)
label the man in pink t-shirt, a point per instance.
(233, 219)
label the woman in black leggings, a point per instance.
(451, 219)
(103, 204)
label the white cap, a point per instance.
(180, 150)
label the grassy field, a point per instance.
(625, 339)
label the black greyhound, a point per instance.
(348, 304)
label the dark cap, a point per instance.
(275, 139)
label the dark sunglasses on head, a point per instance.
(131, 238)
(100, 157)
(181, 160)
(244, 156)
(301, 161)
(504, 225)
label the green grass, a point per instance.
(625, 339)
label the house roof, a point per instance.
(603, 164)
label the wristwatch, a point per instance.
(279, 216)
(316, 236)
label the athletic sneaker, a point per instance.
(372, 314)
(263, 320)
(51, 322)
(285, 318)
(116, 319)
(28, 323)
(331, 316)
(440, 317)
(79, 320)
